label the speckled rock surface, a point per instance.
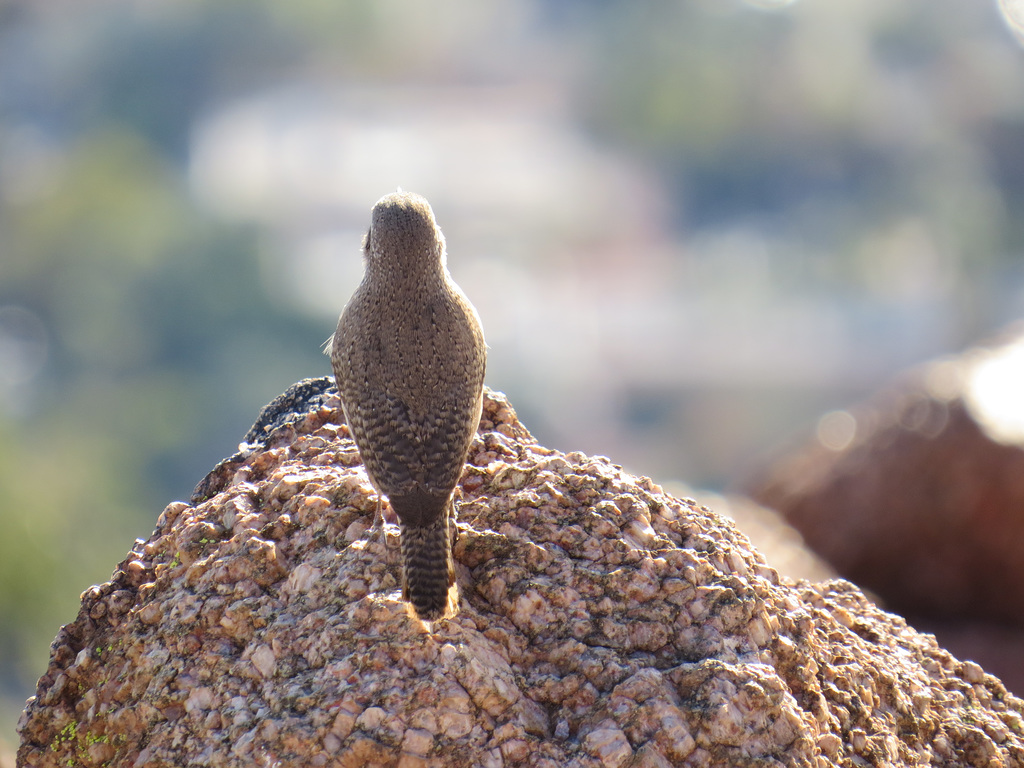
(603, 623)
(782, 545)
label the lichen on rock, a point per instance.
(603, 623)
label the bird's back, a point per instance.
(411, 381)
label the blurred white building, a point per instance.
(611, 332)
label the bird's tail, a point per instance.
(428, 571)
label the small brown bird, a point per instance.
(409, 359)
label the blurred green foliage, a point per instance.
(148, 302)
(160, 334)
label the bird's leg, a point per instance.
(378, 521)
(378, 518)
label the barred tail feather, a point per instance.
(428, 571)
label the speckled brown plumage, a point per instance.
(409, 359)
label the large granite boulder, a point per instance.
(603, 623)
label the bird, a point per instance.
(409, 359)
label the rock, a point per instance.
(918, 495)
(603, 623)
(999, 649)
(783, 547)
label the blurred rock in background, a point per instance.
(918, 495)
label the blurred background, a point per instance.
(691, 228)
